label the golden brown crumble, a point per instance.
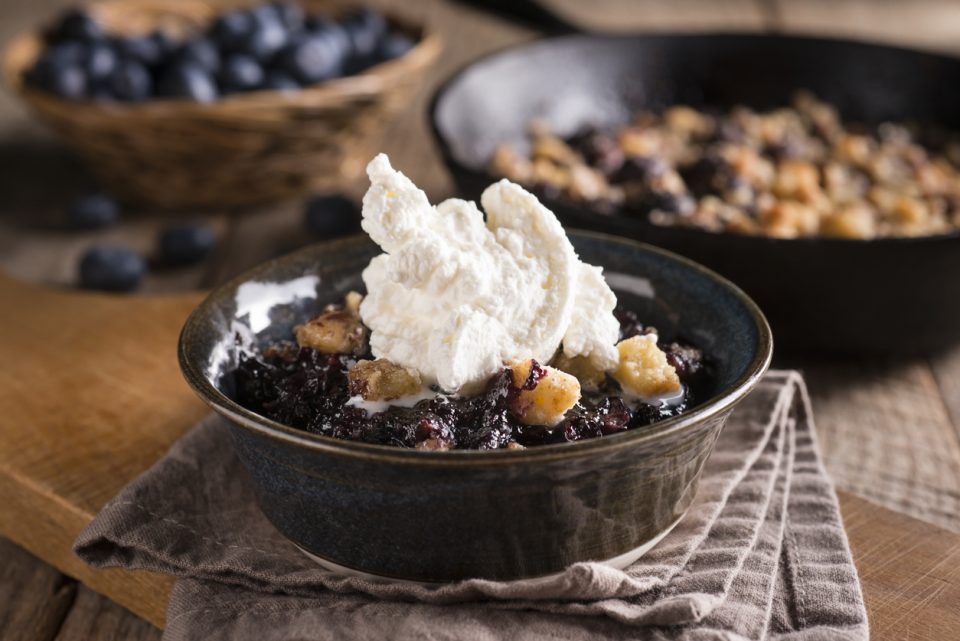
(381, 380)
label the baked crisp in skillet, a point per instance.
(793, 172)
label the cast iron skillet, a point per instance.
(887, 296)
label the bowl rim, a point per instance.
(264, 427)
(453, 164)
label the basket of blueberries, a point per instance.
(184, 103)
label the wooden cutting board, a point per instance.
(91, 395)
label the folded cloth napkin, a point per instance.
(761, 554)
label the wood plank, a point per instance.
(886, 435)
(929, 24)
(909, 570)
(41, 513)
(91, 397)
(617, 16)
(34, 597)
(95, 617)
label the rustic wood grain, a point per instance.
(94, 617)
(34, 597)
(91, 397)
(880, 426)
(909, 570)
(617, 16)
(928, 24)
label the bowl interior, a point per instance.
(678, 297)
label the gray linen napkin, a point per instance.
(760, 554)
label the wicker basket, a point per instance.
(241, 150)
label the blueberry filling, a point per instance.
(309, 390)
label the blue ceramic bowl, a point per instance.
(505, 514)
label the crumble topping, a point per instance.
(791, 172)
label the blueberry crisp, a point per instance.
(327, 382)
(479, 330)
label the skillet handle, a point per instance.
(528, 13)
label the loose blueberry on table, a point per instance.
(267, 47)
(179, 245)
(92, 211)
(111, 269)
(327, 382)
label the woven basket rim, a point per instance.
(370, 82)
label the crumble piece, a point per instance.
(644, 370)
(337, 331)
(381, 380)
(543, 394)
(789, 219)
(852, 221)
(351, 302)
(589, 376)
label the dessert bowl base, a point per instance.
(618, 562)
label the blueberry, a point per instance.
(335, 34)
(267, 35)
(185, 244)
(365, 28)
(313, 59)
(670, 202)
(92, 211)
(201, 51)
(66, 53)
(394, 45)
(686, 360)
(600, 150)
(187, 80)
(143, 49)
(76, 25)
(280, 81)
(710, 174)
(639, 169)
(331, 215)
(65, 79)
(112, 269)
(164, 43)
(131, 82)
(240, 73)
(291, 15)
(231, 29)
(101, 61)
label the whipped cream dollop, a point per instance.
(454, 297)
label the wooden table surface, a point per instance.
(889, 431)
